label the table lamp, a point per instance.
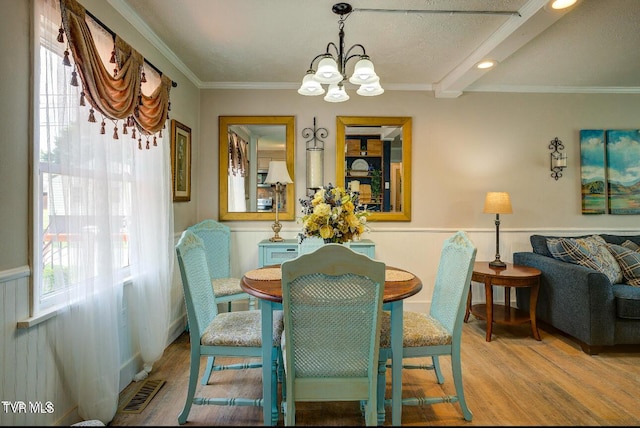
(497, 203)
(279, 176)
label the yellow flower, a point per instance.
(334, 215)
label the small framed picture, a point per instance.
(181, 161)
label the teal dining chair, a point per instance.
(217, 243)
(213, 333)
(439, 332)
(332, 303)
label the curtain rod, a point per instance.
(448, 12)
(113, 34)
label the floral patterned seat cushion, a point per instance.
(418, 329)
(226, 286)
(591, 252)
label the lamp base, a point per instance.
(276, 229)
(497, 263)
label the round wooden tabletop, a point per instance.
(271, 288)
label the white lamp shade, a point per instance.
(328, 71)
(278, 173)
(336, 94)
(370, 89)
(497, 203)
(310, 86)
(364, 73)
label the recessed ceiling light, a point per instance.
(562, 4)
(487, 63)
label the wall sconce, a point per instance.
(558, 159)
(315, 155)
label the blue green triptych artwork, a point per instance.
(610, 171)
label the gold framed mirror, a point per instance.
(373, 155)
(246, 145)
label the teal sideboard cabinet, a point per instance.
(274, 253)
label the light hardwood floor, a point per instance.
(512, 380)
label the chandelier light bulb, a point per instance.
(370, 89)
(328, 71)
(336, 94)
(310, 86)
(364, 72)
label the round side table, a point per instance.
(509, 276)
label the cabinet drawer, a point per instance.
(277, 255)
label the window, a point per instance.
(82, 182)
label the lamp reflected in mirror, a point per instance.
(279, 176)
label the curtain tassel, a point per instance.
(130, 121)
(82, 102)
(140, 144)
(169, 106)
(155, 143)
(115, 72)
(92, 117)
(102, 131)
(113, 57)
(133, 133)
(160, 133)
(144, 78)
(115, 133)
(65, 60)
(74, 79)
(61, 34)
(147, 144)
(124, 129)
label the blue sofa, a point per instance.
(580, 301)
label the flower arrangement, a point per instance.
(334, 214)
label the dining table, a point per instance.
(265, 284)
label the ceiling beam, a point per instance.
(535, 17)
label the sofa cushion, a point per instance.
(627, 301)
(631, 245)
(629, 262)
(619, 239)
(539, 243)
(591, 252)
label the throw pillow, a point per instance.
(631, 245)
(629, 262)
(591, 252)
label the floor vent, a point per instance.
(142, 396)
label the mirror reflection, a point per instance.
(374, 158)
(247, 145)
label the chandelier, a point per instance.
(331, 70)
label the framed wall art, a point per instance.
(592, 171)
(623, 171)
(181, 161)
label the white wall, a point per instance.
(462, 148)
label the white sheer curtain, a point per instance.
(108, 208)
(236, 199)
(152, 251)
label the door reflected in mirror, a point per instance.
(374, 158)
(246, 146)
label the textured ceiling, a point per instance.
(592, 47)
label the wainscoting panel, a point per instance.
(29, 375)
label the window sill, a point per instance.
(48, 314)
(41, 317)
